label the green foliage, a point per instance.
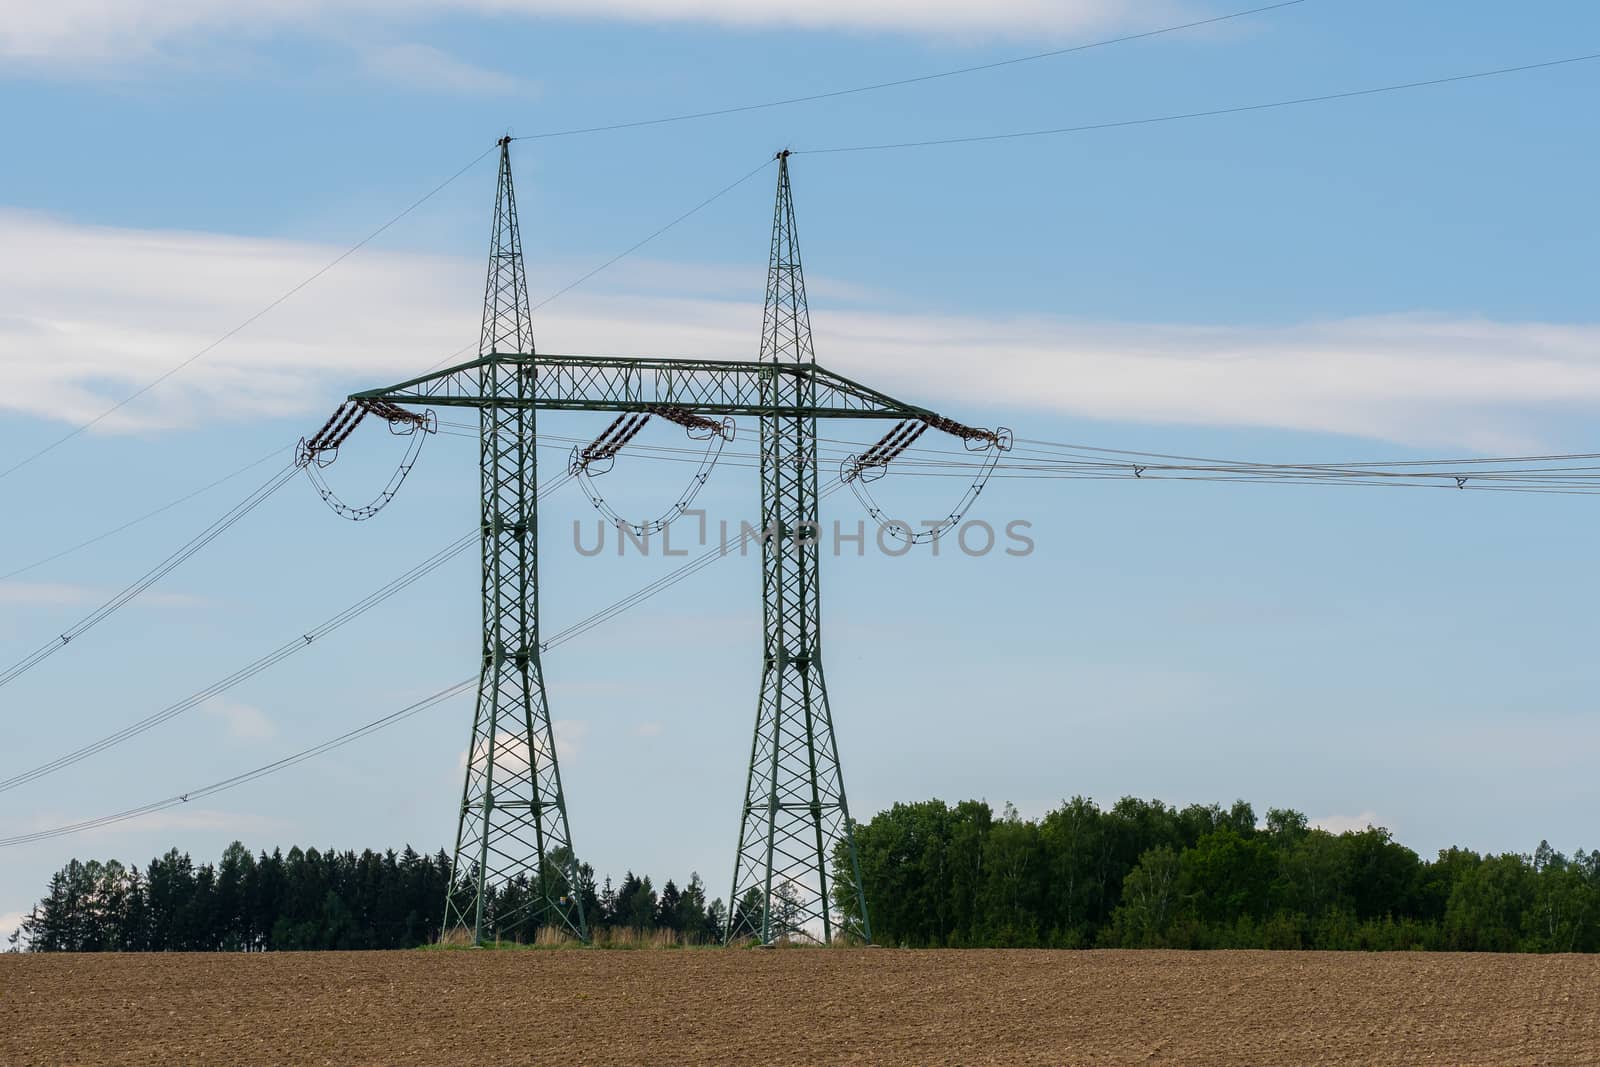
(1150, 901)
(1142, 874)
(307, 899)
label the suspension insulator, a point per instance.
(397, 417)
(971, 435)
(856, 471)
(698, 425)
(871, 463)
(322, 448)
(597, 458)
(603, 449)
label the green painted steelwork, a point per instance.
(794, 815)
(794, 820)
(514, 865)
(616, 383)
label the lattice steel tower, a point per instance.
(514, 861)
(794, 815)
(512, 842)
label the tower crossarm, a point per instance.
(612, 383)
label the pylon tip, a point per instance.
(502, 142)
(782, 155)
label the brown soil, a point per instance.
(800, 1006)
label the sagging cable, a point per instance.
(320, 450)
(150, 577)
(869, 466)
(599, 456)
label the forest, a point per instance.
(1143, 874)
(1139, 874)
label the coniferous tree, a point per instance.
(666, 917)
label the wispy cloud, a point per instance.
(80, 33)
(103, 310)
(511, 756)
(44, 594)
(244, 722)
(421, 66)
(649, 729)
(920, 17)
(1339, 824)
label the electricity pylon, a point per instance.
(794, 823)
(513, 814)
(794, 815)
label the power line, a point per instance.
(245, 673)
(614, 260)
(1245, 478)
(583, 626)
(248, 776)
(572, 631)
(164, 375)
(257, 497)
(1576, 471)
(299, 643)
(1471, 474)
(661, 584)
(1456, 462)
(577, 629)
(640, 244)
(1211, 113)
(168, 506)
(915, 80)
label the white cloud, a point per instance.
(81, 32)
(1418, 379)
(1339, 824)
(99, 311)
(244, 721)
(9, 921)
(511, 755)
(44, 594)
(62, 341)
(907, 16)
(649, 729)
(423, 66)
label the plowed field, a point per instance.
(800, 1006)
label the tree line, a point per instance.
(1143, 874)
(310, 899)
(1140, 874)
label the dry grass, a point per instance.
(456, 937)
(606, 937)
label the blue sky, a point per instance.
(1398, 276)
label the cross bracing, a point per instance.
(618, 383)
(515, 862)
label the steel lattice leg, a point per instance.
(795, 832)
(514, 866)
